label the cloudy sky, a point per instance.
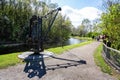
(77, 10)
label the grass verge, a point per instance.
(99, 60)
(9, 60)
(59, 50)
(83, 38)
(12, 59)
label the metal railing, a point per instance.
(111, 56)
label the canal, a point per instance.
(71, 41)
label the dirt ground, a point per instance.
(75, 64)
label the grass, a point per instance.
(99, 60)
(12, 59)
(9, 60)
(83, 38)
(59, 50)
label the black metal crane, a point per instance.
(36, 30)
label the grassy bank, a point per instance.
(102, 64)
(83, 38)
(12, 59)
(59, 50)
(9, 60)
(100, 61)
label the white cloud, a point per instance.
(77, 15)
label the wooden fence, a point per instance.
(111, 56)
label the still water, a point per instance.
(73, 41)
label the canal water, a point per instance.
(71, 41)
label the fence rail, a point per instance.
(111, 56)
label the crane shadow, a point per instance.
(64, 65)
(35, 66)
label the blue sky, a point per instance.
(79, 3)
(77, 10)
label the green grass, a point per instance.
(100, 61)
(12, 58)
(59, 50)
(103, 65)
(83, 38)
(9, 60)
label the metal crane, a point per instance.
(36, 30)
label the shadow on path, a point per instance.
(64, 65)
(35, 66)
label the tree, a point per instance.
(87, 24)
(81, 30)
(111, 22)
(15, 15)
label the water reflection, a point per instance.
(73, 41)
(70, 41)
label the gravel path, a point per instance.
(68, 66)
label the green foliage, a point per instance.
(15, 16)
(87, 29)
(91, 34)
(100, 61)
(60, 31)
(111, 22)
